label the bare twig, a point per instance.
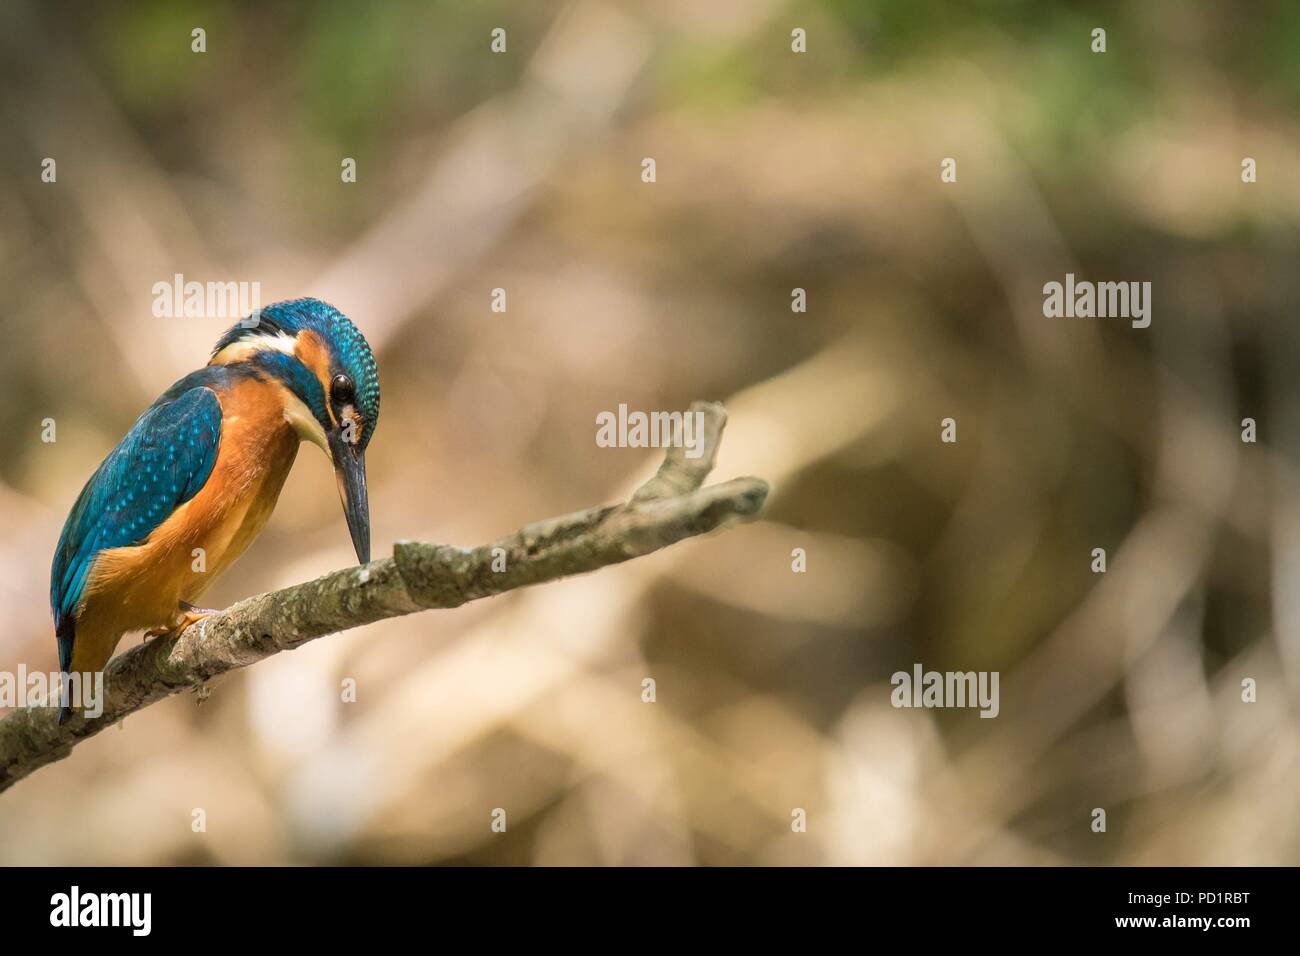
(669, 508)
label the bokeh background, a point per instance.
(775, 170)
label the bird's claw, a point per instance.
(193, 617)
(188, 615)
(201, 611)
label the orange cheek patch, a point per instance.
(311, 351)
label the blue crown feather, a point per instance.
(349, 351)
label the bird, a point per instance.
(196, 478)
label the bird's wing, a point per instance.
(162, 462)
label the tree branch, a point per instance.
(669, 507)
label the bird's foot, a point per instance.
(193, 617)
(201, 611)
(189, 614)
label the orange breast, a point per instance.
(140, 587)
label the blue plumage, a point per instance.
(349, 346)
(297, 378)
(161, 463)
(277, 385)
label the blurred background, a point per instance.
(775, 170)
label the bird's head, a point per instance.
(330, 388)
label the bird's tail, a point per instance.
(66, 633)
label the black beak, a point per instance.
(350, 469)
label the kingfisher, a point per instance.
(196, 478)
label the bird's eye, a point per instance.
(342, 389)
